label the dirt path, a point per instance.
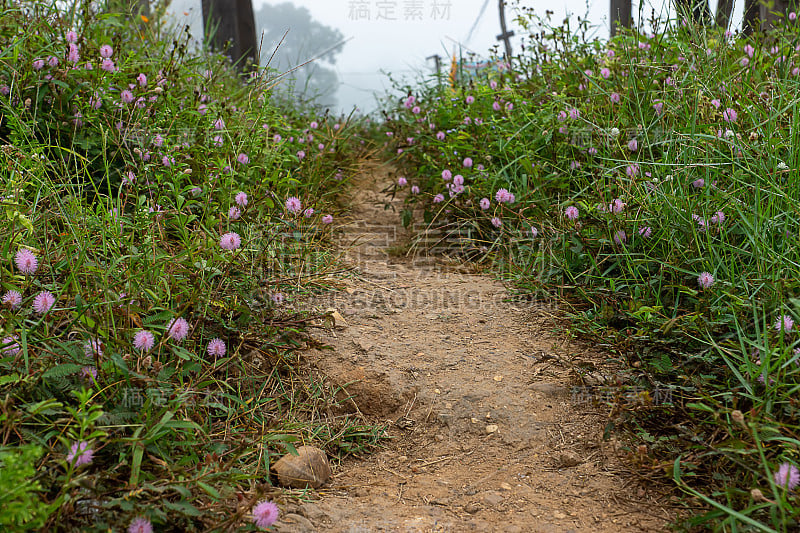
(488, 436)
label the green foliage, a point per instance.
(635, 166)
(150, 184)
(21, 505)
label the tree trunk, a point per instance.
(724, 10)
(620, 15)
(695, 10)
(751, 16)
(773, 11)
(231, 26)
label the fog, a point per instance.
(393, 36)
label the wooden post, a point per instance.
(232, 22)
(438, 60)
(620, 15)
(506, 35)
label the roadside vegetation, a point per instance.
(159, 215)
(650, 184)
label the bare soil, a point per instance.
(479, 393)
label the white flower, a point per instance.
(614, 132)
(782, 166)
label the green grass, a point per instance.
(715, 350)
(124, 206)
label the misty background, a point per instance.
(342, 50)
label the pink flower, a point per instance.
(9, 346)
(26, 261)
(632, 170)
(327, 219)
(496, 222)
(493, 84)
(243, 159)
(617, 206)
(89, 374)
(106, 51)
(716, 103)
(470, 99)
(52, 61)
(80, 453)
(73, 55)
(787, 477)
(301, 155)
(718, 217)
(645, 231)
(140, 525)
(126, 96)
(293, 204)
(446, 175)
(534, 232)
(571, 212)
(749, 50)
(729, 115)
(265, 514)
(467, 162)
(308, 213)
(230, 241)
(574, 113)
(313, 125)
(13, 299)
(485, 203)
(71, 37)
(440, 135)
(402, 182)
(219, 124)
(439, 198)
(705, 280)
(142, 79)
(416, 110)
(792, 18)
(699, 183)
(241, 199)
(178, 329)
(633, 145)
(218, 141)
(93, 348)
(784, 324)
(605, 73)
(659, 108)
(108, 65)
(38, 64)
(615, 98)
(216, 348)
(144, 340)
(414, 189)
(503, 196)
(620, 237)
(43, 302)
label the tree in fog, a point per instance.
(306, 40)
